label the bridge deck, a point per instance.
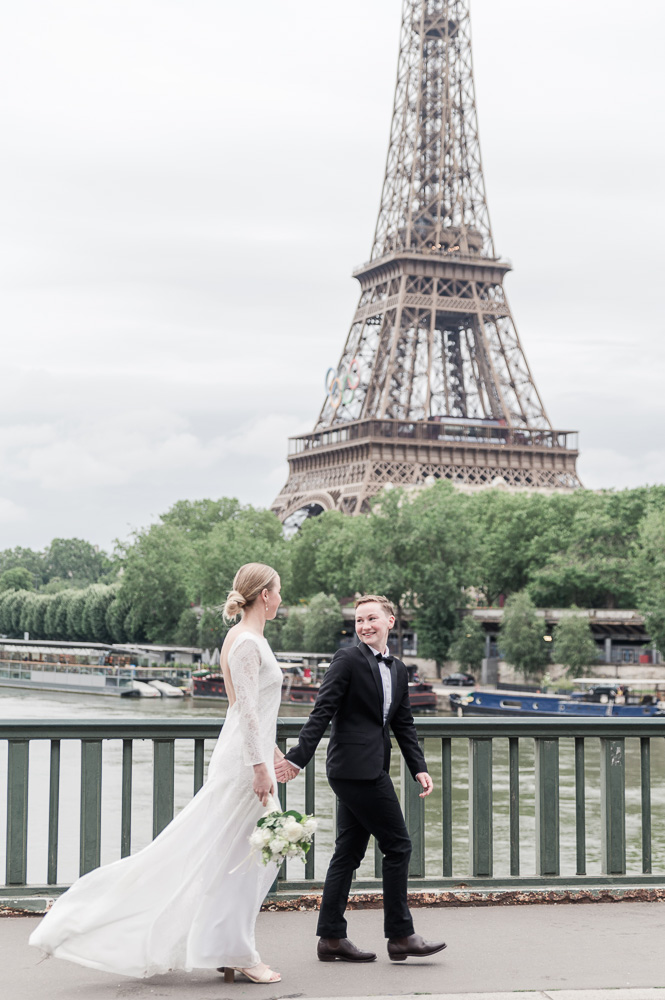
(571, 948)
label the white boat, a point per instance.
(90, 667)
(145, 690)
(167, 690)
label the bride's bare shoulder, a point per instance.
(233, 635)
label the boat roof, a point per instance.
(621, 681)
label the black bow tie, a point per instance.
(384, 659)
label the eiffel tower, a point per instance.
(433, 381)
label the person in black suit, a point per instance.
(363, 694)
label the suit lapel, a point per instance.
(376, 673)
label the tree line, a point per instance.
(433, 552)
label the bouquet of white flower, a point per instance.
(279, 835)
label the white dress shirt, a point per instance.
(387, 681)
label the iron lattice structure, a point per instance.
(433, 381)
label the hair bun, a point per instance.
(235, 602)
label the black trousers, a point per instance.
(367, 808)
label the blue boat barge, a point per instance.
(600, 698)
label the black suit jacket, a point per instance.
(351, 698)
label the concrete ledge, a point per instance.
(36, 905)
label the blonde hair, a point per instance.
(383, 601)
(248, 583)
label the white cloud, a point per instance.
(10, 511)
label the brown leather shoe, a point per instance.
(412, 946)
(342, 950)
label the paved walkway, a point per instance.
(561, 951)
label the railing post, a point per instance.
(645, 775)
(163, 783)
(199, 754)
(18, 756)
(612, 806)
(414, 817)
(447, 807)
(91, 805)
(580, 807)
(480, 808)
(126, 807)
(310, 807)
(547, 807)
(53, 813)
(514, 807)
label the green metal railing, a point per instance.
(443, 738)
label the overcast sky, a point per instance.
(186, 186)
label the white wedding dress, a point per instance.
(178, 903)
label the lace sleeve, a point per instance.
(244, 664)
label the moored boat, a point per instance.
(300, 690)
(601, 698)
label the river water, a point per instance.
(21, 704)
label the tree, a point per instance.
(116, 617)
(75, 625)
(293, 631)
(323, 623)
(648, 569)
(443, 540)
(249, 536)
(36, 624)
(98, 599)
(468, 645)
(156, 583)
(55, 619)
(187, 629)
(574, 646)
(27, 559)
(212, 629)
(197, 518)
(76, 560)
(521, 639)
(18, 578)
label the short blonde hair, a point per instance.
(248, 583)
(383, 601)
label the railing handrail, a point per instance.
(433, 727)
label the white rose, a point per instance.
(256, 839)
(277, 845)
(310, 826)
(293, 832)
(260, 837)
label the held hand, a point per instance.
(263, 786)
(428, 785)
(284, 771)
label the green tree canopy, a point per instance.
(648, 569)
(573, 645)
(156, 583)
(18, 578)
(468, 645)
(521, 639)
(76, 560)
(323, 623)
(292, 638)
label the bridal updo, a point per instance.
(248, 583)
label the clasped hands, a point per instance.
(284, 771)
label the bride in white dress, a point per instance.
(183, 902)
